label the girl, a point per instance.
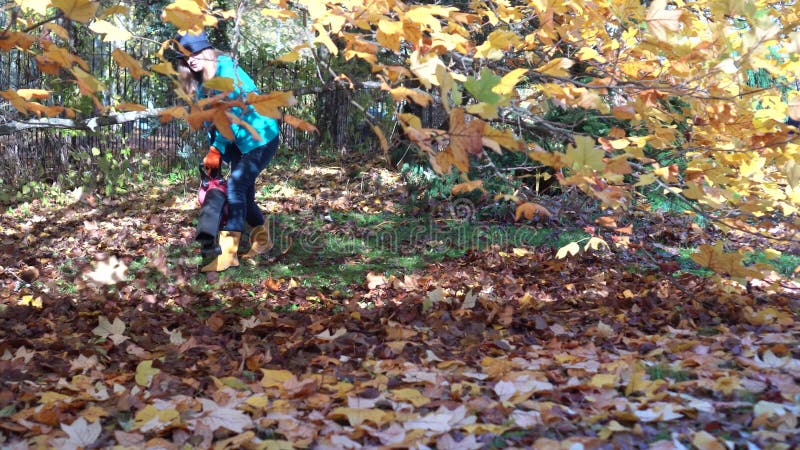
(248, 153)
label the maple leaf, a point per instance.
(466, 137)
(145, 373)
(188, 16)
(111, 31)
(81, 433)
(78, 10)
(267, 105)
(215, 417)
(660, 20)
(108, 272)
(558, 67)
(113, 331)
(584, 154)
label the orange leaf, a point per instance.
(37, 94)
(468, 186)
(529, 210)
(267, 105)
(176, 112)
(300, 124)
(131, 107)
(127, 61)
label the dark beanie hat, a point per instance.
(194, 42)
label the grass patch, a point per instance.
(339, 255)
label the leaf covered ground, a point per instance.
(375, 324)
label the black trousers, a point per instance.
(208, 223)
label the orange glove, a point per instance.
(212, 159)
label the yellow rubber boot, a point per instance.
(229, 243)
(260, 241)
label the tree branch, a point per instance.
(90, 124)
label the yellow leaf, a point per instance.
(87, 83)
(425, 67)
(289, 57)
(52, 397)
(401, 93)
(570, 249)
(145, 373)
(529, 210)
(78, 10)
(221, 84)
(357, 416)
(28, 300)
(409, 395)
(258, 401)
(509, 81)
(660, 20)
(325, 39)
(188, 16)
(588, 54)
(703, 440)
(595, 243)
(584, 154)
(116, 9)
(275, 378)
(558, 67)
(164, 68)
(604, 381)
(486, 110)
(37, 6)
(154, 417)
(494, 139)
(111, 31)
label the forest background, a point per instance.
(618, 178)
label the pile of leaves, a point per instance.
(109, 337)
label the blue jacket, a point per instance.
(267, 127)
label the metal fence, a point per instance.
(39, 155)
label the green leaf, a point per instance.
(481, 88)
